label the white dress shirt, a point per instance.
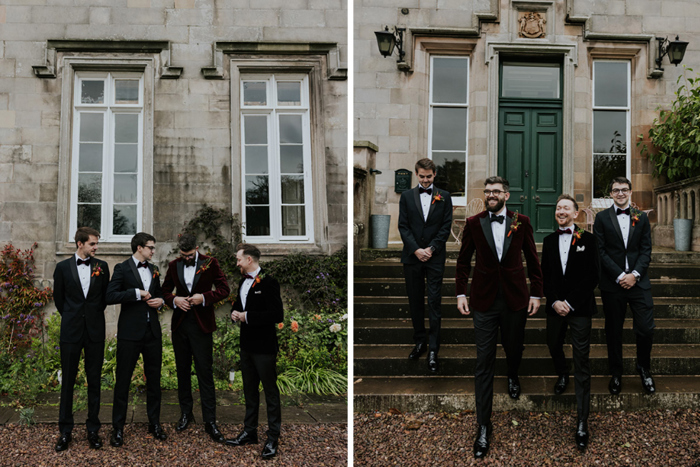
(245, 288)
(145, 274)
(425, 200)
(188, 272)
(499, 232)
(84, 275)
(564, 247)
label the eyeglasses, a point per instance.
(190, 256)
(153, 248)
(617, 191)
(493, 192)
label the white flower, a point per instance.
(344, 317)
(335, 327)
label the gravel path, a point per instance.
(649, 439)
(300, 445)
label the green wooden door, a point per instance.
(530, 158)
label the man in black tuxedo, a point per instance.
(136, 285)
(425, 219)
(624, 244)
(80, 286)
(570, 269)
(258, 308)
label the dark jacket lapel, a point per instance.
(200, 261)
(632, 226)
(572, 250)
(615, 223)
(73, 265)
(181, 274)
(432, 204)
(486, 227)
(132, 265)
(416, 197)
(507, 239)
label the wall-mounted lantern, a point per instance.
(675, 51)
(387, 41)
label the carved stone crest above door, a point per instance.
(531, 25)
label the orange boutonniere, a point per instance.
(514, 225)
(204, 266)
(577, 235)
(257, 280)
(96, 271)
(634, 215)
(156, 271)
(437, 197)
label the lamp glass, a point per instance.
(676, 51)
(386, 42)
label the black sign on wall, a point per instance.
(402, 180)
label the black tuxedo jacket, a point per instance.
(264, 308)
(76, 309)
(613, 252)
(419, 233)
(577, 285)
(132, 318)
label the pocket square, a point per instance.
(258, 292)
(580, 248)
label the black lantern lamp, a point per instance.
(387, 41)
(675, 51)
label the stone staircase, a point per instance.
(385, 378)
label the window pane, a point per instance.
(257, 189)
(90, 158)
(450, 129)
(532, 81)
(611, 83)
(90, 188)
(90, 215)
(256, 159)
(451, 168)
(293, 220)
(124, 220)
(92, 92)
(292, 189)
(292, 159)
(605, 168)
(254, 93)
(91, 125)
(257, 220)
(450, 80)
(126, 128)
(126, 92)
(255, 129)
(610, 131)
(126, 157)
(125, 188)
(290, 129)
(288, 93)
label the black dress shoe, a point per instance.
(185, 420)
(483, 437)
(117, 438)
(417, 351)
(63, 442)
(582, 435)
(432, 361)
(157, 431)
(213, 431)
(270, 449)
(615, 385)
(514, 387)
(242, 439)
(94, 440)
(647, 381)
(560, 385)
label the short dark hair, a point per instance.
(570, 198)
(426, 164)
(83, 234)
(496, 179)
(620, 180)
(249, 250)
(140, 240)
(187, 242)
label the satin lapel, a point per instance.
(93, 277)
(181, 275)
(132, 265)
(613, 219)
(74, 272)
(197, 276)
(632, 227)
(572, 250)
(432, 205)
(151, 269)
(486, 227)
(506, 238)
(416, 197)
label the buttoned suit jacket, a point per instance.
(417, 232)
(264, 310)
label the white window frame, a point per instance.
(109, 110)
(456, 200)
(273, 112)
(607, 202)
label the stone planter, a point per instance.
(682, 233)
(379, 224)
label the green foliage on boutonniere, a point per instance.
(577, 235)
(156, 271)
(204, 266)
(635, 214)
(514, 225)
(257, 280)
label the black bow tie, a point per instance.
(248, 276)
(564, 231)
(86, 262)
(498, 219)
(142, 265)
(623, 211)
(422, 190)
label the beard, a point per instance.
(189, 262)
(499, 205)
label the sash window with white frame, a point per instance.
(611, 124)
(107, 153)
(276, 158)
(449, 111)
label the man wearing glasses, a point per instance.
(136, 286)
(499, 294)
(624, 244)
(199, 284)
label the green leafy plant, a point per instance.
(312, 379)
(26, 416)
(675, 134)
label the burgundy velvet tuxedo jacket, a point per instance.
(489, 273)
(208, 274)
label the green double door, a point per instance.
(530, 158)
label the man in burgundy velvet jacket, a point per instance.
(199, 284)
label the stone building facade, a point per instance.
(129, 115)
(551, 94)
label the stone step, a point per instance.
(455, 394)
(397, 307)
(460, 360)
(397, 287)
(461, 331)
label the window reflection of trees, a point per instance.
(450, 176)
(608, 166)
(121, 224)
(260, 193)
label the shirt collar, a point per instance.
(626, 207)
(196, 258)
(81, 259)
(431, 187)
(502, 212)
(136, 261)
(255, 273)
